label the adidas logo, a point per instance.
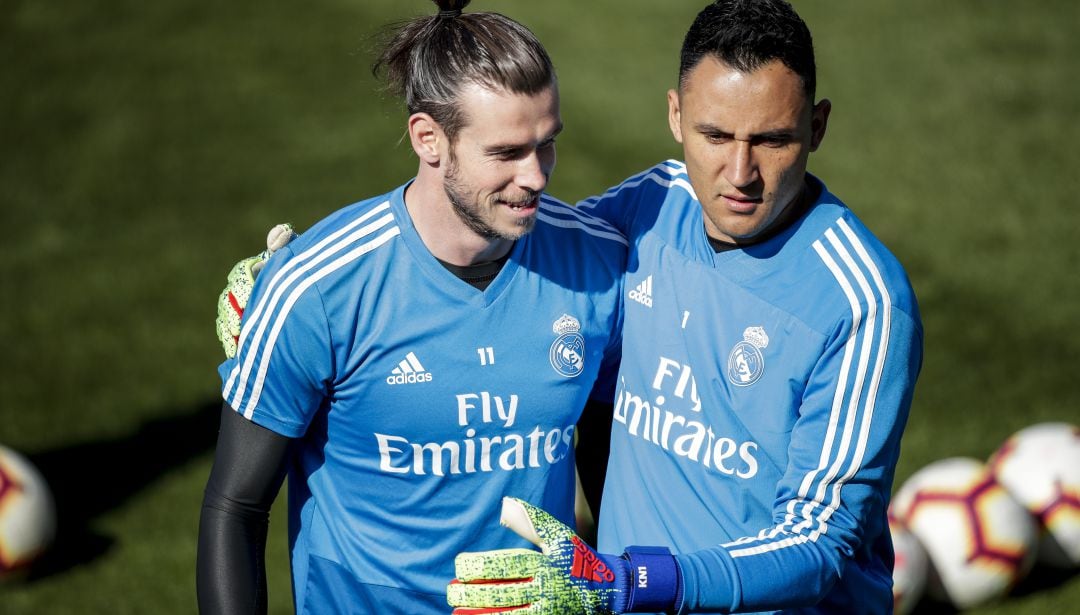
(588, 565)
(643, 293)
(409, 371)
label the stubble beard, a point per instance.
(468, 210)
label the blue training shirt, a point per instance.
(419, 401)
(761, 399)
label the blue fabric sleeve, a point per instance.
(831, 503)
(618, 205)
(283, 368)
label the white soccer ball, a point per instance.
(910, 568)
(27, 513)
(1040, 466)
(980, 541)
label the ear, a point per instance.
(426, 137)
(818, 122)
(674, 116)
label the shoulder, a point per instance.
(669, 175)
(363, 219)
(576, 225)
(853, 266)
(334, 247)
(634, 205)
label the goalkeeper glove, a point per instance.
(567, 578)
(234, 298)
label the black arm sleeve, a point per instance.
(594, 443)
(249, 467)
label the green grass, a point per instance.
(144, 147)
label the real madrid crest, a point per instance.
(567, 353)
(745, 364)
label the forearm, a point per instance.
(714, 580)
(230, 573)
(249, 466)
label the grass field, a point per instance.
(145, 146)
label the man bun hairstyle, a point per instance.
(451, 8)
(428, 60)
(746, 35)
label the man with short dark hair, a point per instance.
(770, 351)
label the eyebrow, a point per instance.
(706, 128)
(513, 147)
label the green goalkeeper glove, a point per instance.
(234, 298)
(567, 577)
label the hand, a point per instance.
(234, 298)
(567, 578)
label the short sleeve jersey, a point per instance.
(419, 401)
(761, 400)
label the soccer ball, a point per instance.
(980, 541)
(909, 568)
(27, 513)
(1040, 466)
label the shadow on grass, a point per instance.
(90, 479)
(1040, 579)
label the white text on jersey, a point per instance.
(507, 452)
(506, 410)
(674, 431)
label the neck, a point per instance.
(442, 231)
(793, 211)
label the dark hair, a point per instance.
(427, 60)
(747, 34)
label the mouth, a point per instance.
(740, 204)
(522, 207)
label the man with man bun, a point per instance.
(415, 356)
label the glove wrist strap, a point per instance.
(655, 580)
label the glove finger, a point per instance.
(504, 564)
(233, 301)
(493, 595)
(534, 524)
(251, 268)
(228, 322)
(225, 336)
(241, 282)
(279, 237)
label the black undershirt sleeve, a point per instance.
(249, 467)
(594, 444)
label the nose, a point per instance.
(534, 171)
(741, 168)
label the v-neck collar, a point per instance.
(440, 275)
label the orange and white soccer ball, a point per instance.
(910, 567)
(27, 513)
(1040, 466)
(980, 541)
